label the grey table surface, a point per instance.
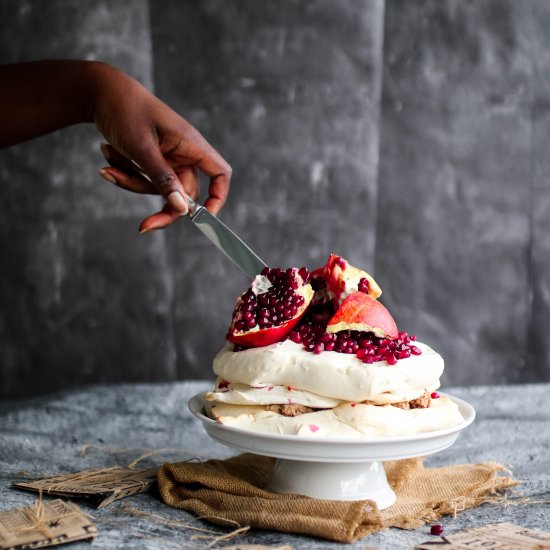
(53, 434)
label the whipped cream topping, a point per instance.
(329, 374)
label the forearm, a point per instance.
(43, 96)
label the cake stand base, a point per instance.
(333, 480)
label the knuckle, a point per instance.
(166, 181)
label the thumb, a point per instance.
(163, 177)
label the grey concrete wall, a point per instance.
(463, 187)
(409, 137)
(82, 297)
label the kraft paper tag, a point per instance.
(46, 523)
(500, 536)
(104, 484)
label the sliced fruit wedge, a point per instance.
(361, 312)
(342, 279)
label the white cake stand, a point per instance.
(336, 469)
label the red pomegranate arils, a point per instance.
(340, 262)
(435, 395)
(367, 347)
(363, 285)
(436, 529)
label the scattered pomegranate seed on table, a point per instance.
(435, 395)
(436, 529)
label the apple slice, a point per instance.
(271, 307)
(341, 279)
(361, 312)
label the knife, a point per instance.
(224, 239)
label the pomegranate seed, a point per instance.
(364, 342)
(329, 346)
(317, 283)
(436, 529)
(319, 347)
(416, 351)
(363, 285)
(304, 273)
(435, 395)
(390, 358)
(341, 263)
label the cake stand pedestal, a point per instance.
(329, 468)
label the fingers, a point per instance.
(162, 175)
(136, 184)
(123, 173)
(160, 220)
(215, 166)
(114, 158)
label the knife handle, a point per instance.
(192, 205)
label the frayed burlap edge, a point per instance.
(489, 490)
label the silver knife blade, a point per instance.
(224, 239)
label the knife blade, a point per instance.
(224, 239)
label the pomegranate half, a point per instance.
(271, 307)
(361, 312)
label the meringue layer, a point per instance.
(343, 397)
(348, 421)
(330, 374)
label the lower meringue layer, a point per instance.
(348, 420)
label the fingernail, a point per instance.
(104, 150)
(146, 230)
(105, 175)
(178, 202)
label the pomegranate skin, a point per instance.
(361, 312)
(265, 336)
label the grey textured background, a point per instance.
(409, 137)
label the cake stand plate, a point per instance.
(333, 468)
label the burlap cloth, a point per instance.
(232, 489)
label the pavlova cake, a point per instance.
(316, 354)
